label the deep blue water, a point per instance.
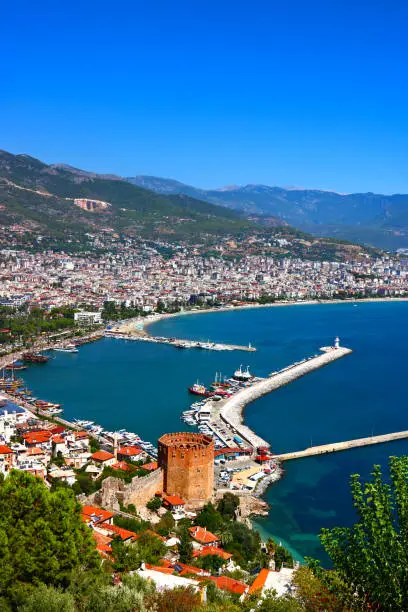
(142, 387)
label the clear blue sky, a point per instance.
(288, 92)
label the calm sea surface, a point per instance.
(143, 387)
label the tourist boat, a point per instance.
(198, 389)
(219, 382)
(34, 358)
(46, 405)
(16, 365)
(68, 348)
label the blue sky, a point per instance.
(285, 92)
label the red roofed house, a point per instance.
(6, 458)
(212, 550)
(121, 465)
(259, 582)
(150, 467)
(134, 453)
(173, 502)
(34, 438)
(103, 458)
(229, 584)
(124, 534)
(96, 516)
(204, 537)
(103, 543)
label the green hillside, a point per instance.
(40, 200)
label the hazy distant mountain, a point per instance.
(375, 219)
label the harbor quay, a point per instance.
(232, 409)
(180, 343)
(342, 446)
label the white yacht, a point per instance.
(68, 348)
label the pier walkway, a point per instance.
(180, 343)
(341, 446)
(232, 409)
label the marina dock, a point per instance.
(342, 446)
(180, 343)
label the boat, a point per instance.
(242, 375)
(16, 365)
(34, 358)
(68, 348)
(198, 389)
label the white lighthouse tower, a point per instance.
(337, 342)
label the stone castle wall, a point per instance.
(114, 491)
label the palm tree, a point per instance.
(225, 535)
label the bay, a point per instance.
(143, 387)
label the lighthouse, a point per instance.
(337, 342)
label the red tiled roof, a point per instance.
(5, 450)
(129, 451)
(173, 500)
(102, 456)
(153, 465)
(58, 429)
(81, 435)
(121, 465)
(58, 439)
(103, 543)
(191, 569)
(124, 534)
(203, 536)
(259, 582)
(96, 515)
(229, 584)
(37, 437)
(212, 550)
(159, 568)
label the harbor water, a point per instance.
(143, 387)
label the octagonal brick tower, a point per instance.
(187, 460)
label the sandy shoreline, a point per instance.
(146, 322)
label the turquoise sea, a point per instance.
(142, 387)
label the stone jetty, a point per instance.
(341, 446)
(232, 409)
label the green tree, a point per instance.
(185, 546)
(211, 563)
(227, 506)
(42, 536)
(166, 524)
(209, 517)
(371, 558)
(280, 554)
(154, 504)
(311, 593)
(48, 598)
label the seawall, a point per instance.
(232, 410)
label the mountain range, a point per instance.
(368, 218)
(61, 207)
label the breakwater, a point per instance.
(341, 446)
(232, 409)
